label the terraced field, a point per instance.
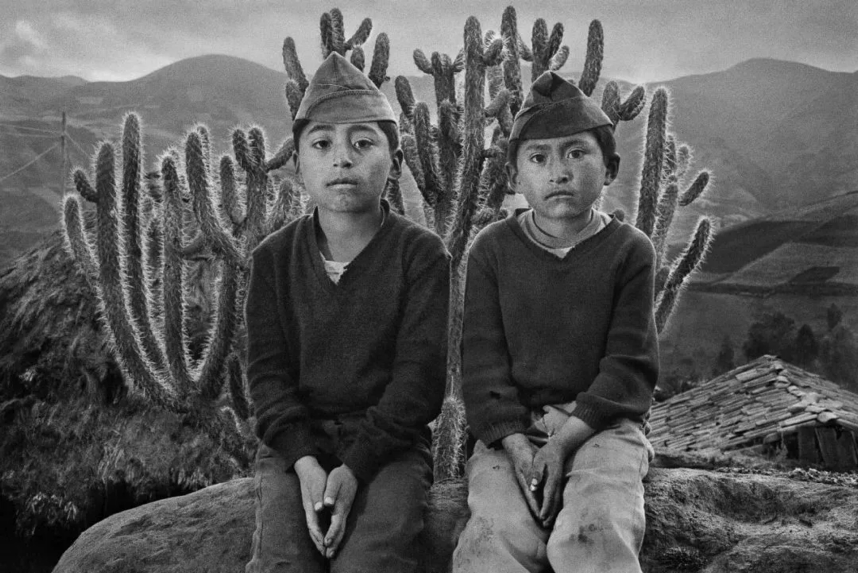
(812, 249)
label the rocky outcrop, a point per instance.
(697, 520)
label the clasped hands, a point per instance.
(321, 492)
(540, 472)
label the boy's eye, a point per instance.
(576, 154)
(363, 143)
(321, 144)
(537, 158)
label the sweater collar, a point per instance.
(581, 248)
(309, 232)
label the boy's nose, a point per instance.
(560, 178)
(342, 157)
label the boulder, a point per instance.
(697, 520)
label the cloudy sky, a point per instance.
(646, 40)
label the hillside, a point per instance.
(812, 250)
(775, 134)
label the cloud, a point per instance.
(23, 45)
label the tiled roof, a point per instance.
(758, 402)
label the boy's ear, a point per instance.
(612, 169)
(395, 165)
(511, 176)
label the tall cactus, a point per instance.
(143, 286)
(663, 170)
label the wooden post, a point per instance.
(63, 152)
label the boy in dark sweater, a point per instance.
(560, 356)
(346, 317)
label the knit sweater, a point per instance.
(368, 352)
(541, 330)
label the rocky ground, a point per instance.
(697, 520)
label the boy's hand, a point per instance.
(312, 479)
(521, 452)
(339, 495)
(548, 474)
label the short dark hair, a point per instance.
(390, 129)
(604, 137)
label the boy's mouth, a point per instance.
(560, 193)
(343, 181)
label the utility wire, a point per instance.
(29, 128)
(31, 162)
(32, 135)
(79, 147)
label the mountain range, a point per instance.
(775, 135)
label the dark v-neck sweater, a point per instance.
(541, 330)
(369, 352)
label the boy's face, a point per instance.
(344, 167)
(560, 177)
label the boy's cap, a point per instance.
(555, 107)
(339, 93)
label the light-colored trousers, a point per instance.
(600, 527)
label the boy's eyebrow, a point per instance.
(538, 146)
(320, 128)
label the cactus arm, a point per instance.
(283, 155)
(132, 258)
(110, 293)
(293, 65)
(539, 42)
(77, 243)
(338, 33)
(593, 60)
(670, 162)
(153, 271)
(511, 65)
(633, 105)
(357, 58)
(211, 377)
(680, 271)
(428, 154)
(474, 142)
(554, 41)
(174, 280)
(422, 62)
(611, 101)
(665, 210)
(208, 216)
(380, 58)
(653, 161)
(683, 160)
(83, 186)
(326, 32)
(294, 95)
(405, 96)
(361, 34)
(559, 59)
(696, 189)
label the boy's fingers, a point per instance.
(336, 532)
(550, 499)
(332, 490)
(529, 496)
(314, 528)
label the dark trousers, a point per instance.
(382, 528)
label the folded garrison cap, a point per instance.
(339, 93)
(555, 107)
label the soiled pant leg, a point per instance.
(387, 517)
(501, 535)
(601, 526)
(281, 542)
